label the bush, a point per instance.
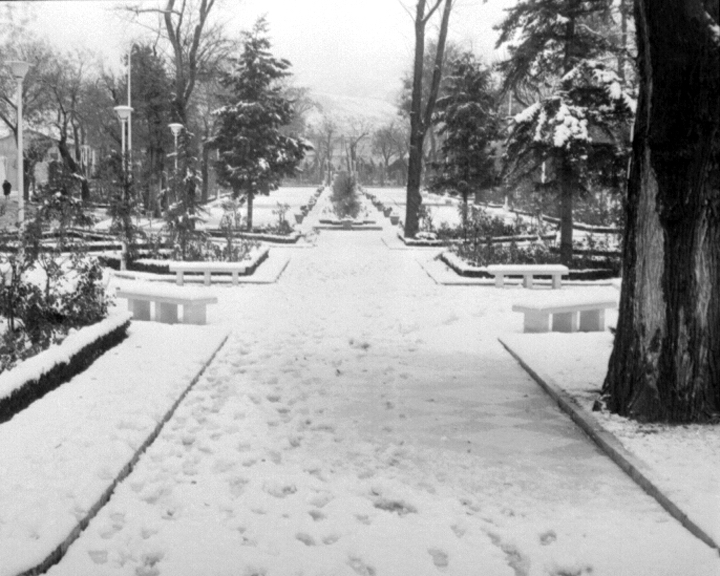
(479, 225)
(484, 254)
(48, 289)
(345, 199)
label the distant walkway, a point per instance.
(364, 420)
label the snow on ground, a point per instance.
(61, 453)
(364, 420)
(669, 451)
(263, 208)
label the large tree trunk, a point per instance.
(419, 118)
(665, 365)
(74, 167)
(250, 197)
(566, 211)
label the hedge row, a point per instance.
(61, 372)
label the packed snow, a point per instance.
(665, 449)
(361, 419)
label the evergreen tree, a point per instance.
(467, 123)
(555, 51)
(150, 98)
(579, 134)
(255, 154)
(183, 207)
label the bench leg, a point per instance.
(179, 278)
(207, 278)
(167, 312)
(499, 281)
(592, 321)
(565, 322)
(528, 281)
(195, 314)
(140, 309)
(536, 322)
(557, 281)
(235, 278)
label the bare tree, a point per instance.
(66, 84)
(421, 116)
(386, 142)
(357, 130)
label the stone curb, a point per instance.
(56, 555)
(630, 464)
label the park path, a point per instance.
(362, 419)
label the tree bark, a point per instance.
(250, 197)
(665, 364)
(74, 168)
(566, 211)
(419, 118)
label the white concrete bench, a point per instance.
(528, 272)
(207, 268)
(167, 298)
(584, 314)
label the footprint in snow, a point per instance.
(279, 490)
(98, 556)
(305, 538)
(359, 567)
(440, 558)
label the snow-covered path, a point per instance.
(363, 420)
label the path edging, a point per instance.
(57, 554)
(630, 464)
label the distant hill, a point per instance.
(343, 109)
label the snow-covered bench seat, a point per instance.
(207, 268)
(569, 314)
(528, 272)
(167, 298)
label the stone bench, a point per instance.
(207, 268)
(528, 272)
(584, 314)
(167, 298)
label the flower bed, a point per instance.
(463, 268)
(42, 373)
(162, 266)
(290, 238)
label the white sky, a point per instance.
(346, 47)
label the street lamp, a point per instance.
(176, 129)
(123, 114)
(19, 70)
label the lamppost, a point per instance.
(176, 129)
(123, 114)
(19, 69)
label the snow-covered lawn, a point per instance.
(360, 420)
(670, 452)
(263, 207)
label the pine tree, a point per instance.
(467, 125)
(556, 51)
(254, 152)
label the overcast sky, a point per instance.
(346, 47)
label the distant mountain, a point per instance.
(345, 109)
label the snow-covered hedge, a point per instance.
(44, 372)
(158, 266)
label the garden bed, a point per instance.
(463, 268)
(291, 238)
(42, 373)
(160, 266)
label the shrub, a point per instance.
(345, 199)
(48, 289)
